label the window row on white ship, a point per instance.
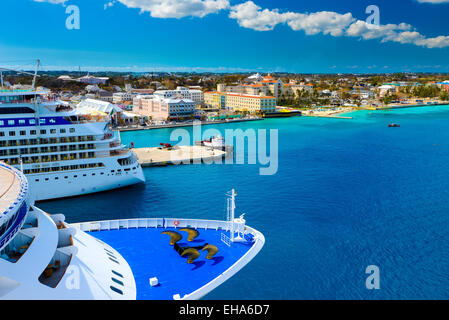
(37, 142)
(91, 166)
(32, 131)
(16, 110)
(52, 149)
(63, 168)
(50, 158)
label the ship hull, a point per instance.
(63, 184)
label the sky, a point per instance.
(319, 36)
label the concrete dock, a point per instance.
(149, 157)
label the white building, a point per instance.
(385, 89)
(119, 97)
(196, 95)
(93, 80)
(160, 108)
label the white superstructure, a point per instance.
(43, 257)
(64, 151)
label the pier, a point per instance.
(180, 125)
(160, 156)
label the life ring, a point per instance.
(176, 223)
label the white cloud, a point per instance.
(249, 15)
(433, 1)
(401, 33)
(325, 22)
(177, 8)
(52, 1)
(109, 4)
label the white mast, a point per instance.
(35, 74)
(232, 212)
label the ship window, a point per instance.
(117, 281)
(46, 179)
(2, 134)
(116, 290)
(72, 130)
(32, 131)
(12, 133)
(53, 131)
(117, 274)
(23, 133)
(62, 130)
(37, 180)
(113, 260)
(43, 131)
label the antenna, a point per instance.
(231, 212)
(35, 74)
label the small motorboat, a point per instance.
(215, 143)
(394, 125)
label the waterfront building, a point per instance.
(238, 102)
(250, 103)
(196, 95)
(157, 107)
(215, 100)
(263, 86)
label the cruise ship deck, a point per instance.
(151, 255)
(9, 188)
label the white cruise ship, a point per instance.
(44, 257)
(63, 151)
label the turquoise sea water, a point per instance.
(348, 194)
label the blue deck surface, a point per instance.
(149, 255)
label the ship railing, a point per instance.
(157, 223)
(23, 191)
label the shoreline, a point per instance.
(165, 126)
(402, 106)
(333, 114)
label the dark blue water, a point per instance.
(348, 194)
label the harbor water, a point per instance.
(348, 194)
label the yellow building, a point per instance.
(250, 103)
(215, 100)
